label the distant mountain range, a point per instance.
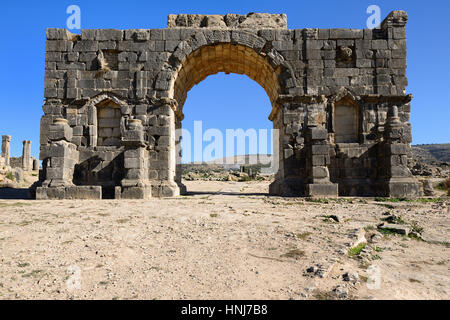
(430, 153)
(427, 153)
(236, 161)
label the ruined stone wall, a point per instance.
(147, 74)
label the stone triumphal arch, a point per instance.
(114, 99)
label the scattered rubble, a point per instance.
(340, 292)
(352, 277)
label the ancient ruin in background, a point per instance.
(114, 100)
(26, 162)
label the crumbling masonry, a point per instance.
(114, 100)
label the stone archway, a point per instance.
(148, 72)
(254, 59)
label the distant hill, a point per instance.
(236, 161)
(430, 153)
(425, 153)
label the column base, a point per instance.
(69, 193)
(289, 187)
(399, 188)
(143, 193)
(165, 189)
(182, 187)
(322, 190)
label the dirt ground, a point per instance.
(225, 240)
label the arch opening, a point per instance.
(227, 58)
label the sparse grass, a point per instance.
(399, 200)
(369, 228)
(303, 235)
(213, 215)
(378, 249)
(429, 200)
(10, 176)
(323, 295)
(395, 220)
(23, 265)
(329, 200)
(355, 251)
(376, 257)
(295, 253)
(318, 200)
(125, 220)
(33, 274)
(387, 232)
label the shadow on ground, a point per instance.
(16, 194)
(225, 193)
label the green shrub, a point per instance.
(10, 176)
(355, 251)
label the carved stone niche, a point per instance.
(345, 57)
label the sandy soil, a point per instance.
(226, 240)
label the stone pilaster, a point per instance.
(135, 184)
(317, 161)
(395, 178)
(163, 161)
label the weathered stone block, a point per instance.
(136, 193)
(86, 45)
(322, 190)
(320, 172)
(320, 149)
(83, 193)
(109, 34)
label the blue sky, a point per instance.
(220, 101)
